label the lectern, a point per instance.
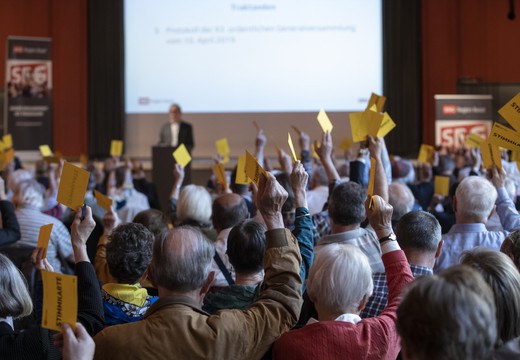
(162, 174)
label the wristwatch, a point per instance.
(389, 237)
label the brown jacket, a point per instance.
(176, 328)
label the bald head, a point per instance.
(401, 198)
(181, 259)
(228, 210)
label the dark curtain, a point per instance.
(402, 74)
(105, 75)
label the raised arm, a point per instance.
(506, 210)
(278, 304)
(110, 221)
(303, 228)
(375, 146)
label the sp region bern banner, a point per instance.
(29, 92)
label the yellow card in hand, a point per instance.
(442, 185)
(182, 156)
(60, 300)
(241, 177)
(503, 136)
(43, 238)
(324, 121)
(511, 112)
(8, 141)
(220, 173)
(426, 153)
(45, 150)
(104, 201)
(387, 125)
(73, 186)
(291, 146)
(253, 168)
(372, 177)
(116, 148)
(490, 155)
(222, 147)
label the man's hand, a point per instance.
(110, 220)
(178, 174)
(379, 214)
(285, 161)
(260, 139)
(324, 150)
(299, 178)
(497, 177)
(40, 263)
(77, 346)
(305, 141)
(81, 229)
(269, 200)
(375, 146)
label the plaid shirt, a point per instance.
(379, 299)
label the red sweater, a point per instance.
(371, 338)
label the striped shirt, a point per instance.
(30, 220)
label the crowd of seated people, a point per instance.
(310, 263)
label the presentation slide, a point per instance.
(218, 56)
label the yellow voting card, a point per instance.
(377, 100)
(426, 153)
(102, 200)
(442, 185)
(291, 146)
(43, 238)
(253, 168)
(220, 174)
(182, 156)
(116, 148)
(45, 150)
(73, 186)
(222, 147)
(60, 300)
(505, 137)
(364, 123)
(372, 177)
(241, 177)
(473, 140)
(8, 141)
(490, 155)
(387, 125)
(511, 112)
(314, 153)
(324, 121)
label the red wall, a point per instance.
(466, 38)
(66, 23)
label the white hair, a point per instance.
(340, 278)
(17, 177)
(194, 204)
(476, 197)
(29, 192)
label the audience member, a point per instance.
(448, 316)
(180, 269)
(128, 254)
(502, 276)
(340, 284)
(511, 247)
(419, 235)
(401, 198)
(227, 211)
(474, 203)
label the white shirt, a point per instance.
(174, 127)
